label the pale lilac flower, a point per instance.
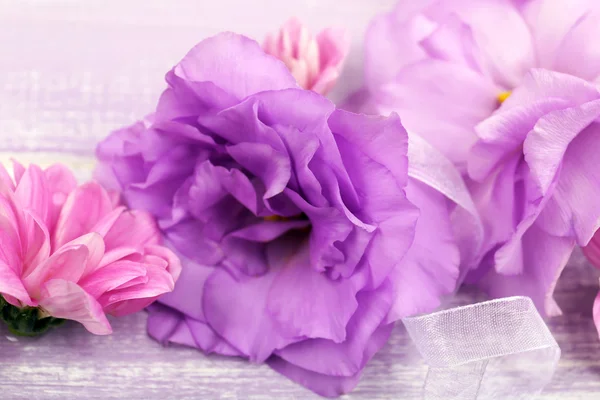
(483, 81)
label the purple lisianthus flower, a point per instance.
(291, 217)
(450, 68)
(537, 183)
(446, 65)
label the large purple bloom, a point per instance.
(292, 217)
(447, 66)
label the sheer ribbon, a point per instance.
(499, 349)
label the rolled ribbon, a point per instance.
(499, 349)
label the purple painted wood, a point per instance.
(70, 363)
(101, 65)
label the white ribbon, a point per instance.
(499, 349)
(430, 166)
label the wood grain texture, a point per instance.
(70, 363)
(57, 94)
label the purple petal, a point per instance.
(327, 385)
(454, 108)
(306, 303)
(236, 64)
(243, 323)
(430, 268)
(347, 358)
(545, 257)
(573, 208)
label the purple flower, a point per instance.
(467, 76)
(292, 217)
(537, 183)
(446, 65)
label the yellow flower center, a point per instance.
(503, 96)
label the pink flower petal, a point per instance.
(64, 299)
(592, 250)
(70, 262)
(18, 171)
(61, 182)
(84, 207)
(11, 285)
(111, 277)
(129, 299)
(596, 313)
(134, 228)
(6, 182)
(164, 253)
(33, 193)
(35, 240)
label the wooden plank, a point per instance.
(70, 363)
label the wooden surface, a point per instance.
(99, 66)
(70, 363)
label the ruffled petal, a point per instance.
(577, 55)
(376, 146)
(263, 161)
(393, 41)
(573, 208)
(206, 251)
(306, 303)
(245, 324)
(509, 54)
(169, 326)
(189, 292)
(550, 22)
(346, 358)
(445, 115)
(327, 385)
(544, 257)
(430, 269)
(236, 64)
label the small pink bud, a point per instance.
(315, 62)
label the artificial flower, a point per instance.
(482, 81)
(70, 252)
(291, 216)
(315, 62)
